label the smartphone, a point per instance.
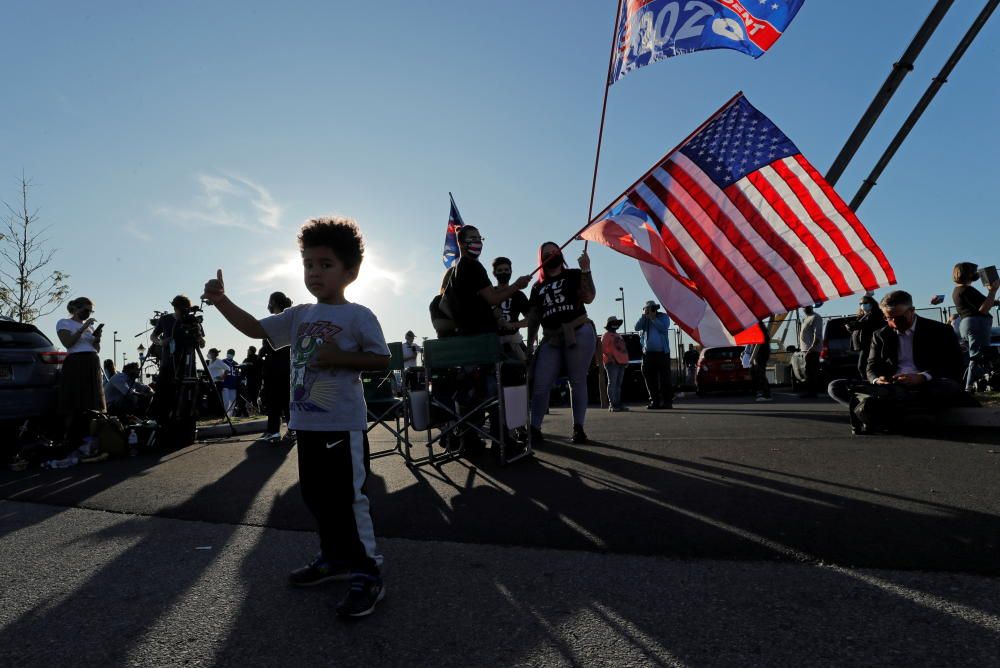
(98, 329)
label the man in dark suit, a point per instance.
(913, 363)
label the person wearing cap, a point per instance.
(654, 330)
(410, 350)
(614, 356)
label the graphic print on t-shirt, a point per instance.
(554, 299)
(312, 389)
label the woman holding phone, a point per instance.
(80, 384)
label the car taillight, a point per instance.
(52, 358)
(824, 352)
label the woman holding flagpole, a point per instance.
(557, 304)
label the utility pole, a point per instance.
(899, 71)
(936, 83)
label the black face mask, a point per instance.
(503, 278)
(84, 313)
(553, 261)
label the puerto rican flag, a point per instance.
(736, 225)
(651, 30)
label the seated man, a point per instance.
(124, 393)
(913, 363)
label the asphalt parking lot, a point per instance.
(723, 532)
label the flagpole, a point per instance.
(655, 165)
(604, 110)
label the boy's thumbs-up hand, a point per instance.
(215, 289)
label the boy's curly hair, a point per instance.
(341, 235)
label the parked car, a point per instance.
(721, 369)
(29, 372)
(836, 359)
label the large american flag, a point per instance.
(742, 223)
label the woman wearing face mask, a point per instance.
(275, 372)
(81, 386)
(869, 320)
(557, 304)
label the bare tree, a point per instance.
(28, 288)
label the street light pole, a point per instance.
(114, 344)
(622, 300)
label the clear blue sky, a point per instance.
(168, 139)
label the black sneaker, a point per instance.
(579, 436)
(365, 593)
(318, 572)
(537, 437)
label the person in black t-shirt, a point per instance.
(512, 308)
(976, 324)
(568, 336)
(510, 311)
(470, 294)
(274, 367)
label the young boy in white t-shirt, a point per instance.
(332, 341)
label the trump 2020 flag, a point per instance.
(736, 225)
(450, 254)
(651, 30)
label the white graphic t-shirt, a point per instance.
(326, 399)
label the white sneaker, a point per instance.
(761, 397)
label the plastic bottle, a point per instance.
(133, 443)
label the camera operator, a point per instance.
(177, 334)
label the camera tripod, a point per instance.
(185, 410)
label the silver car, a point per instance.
(29, 371)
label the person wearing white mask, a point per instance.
(471, 294)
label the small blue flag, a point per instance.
(450, 254)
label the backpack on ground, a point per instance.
(110, 435)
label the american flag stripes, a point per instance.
(746, 222)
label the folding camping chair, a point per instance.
(448, 365)
(385, 407)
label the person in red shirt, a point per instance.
(614, 356)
